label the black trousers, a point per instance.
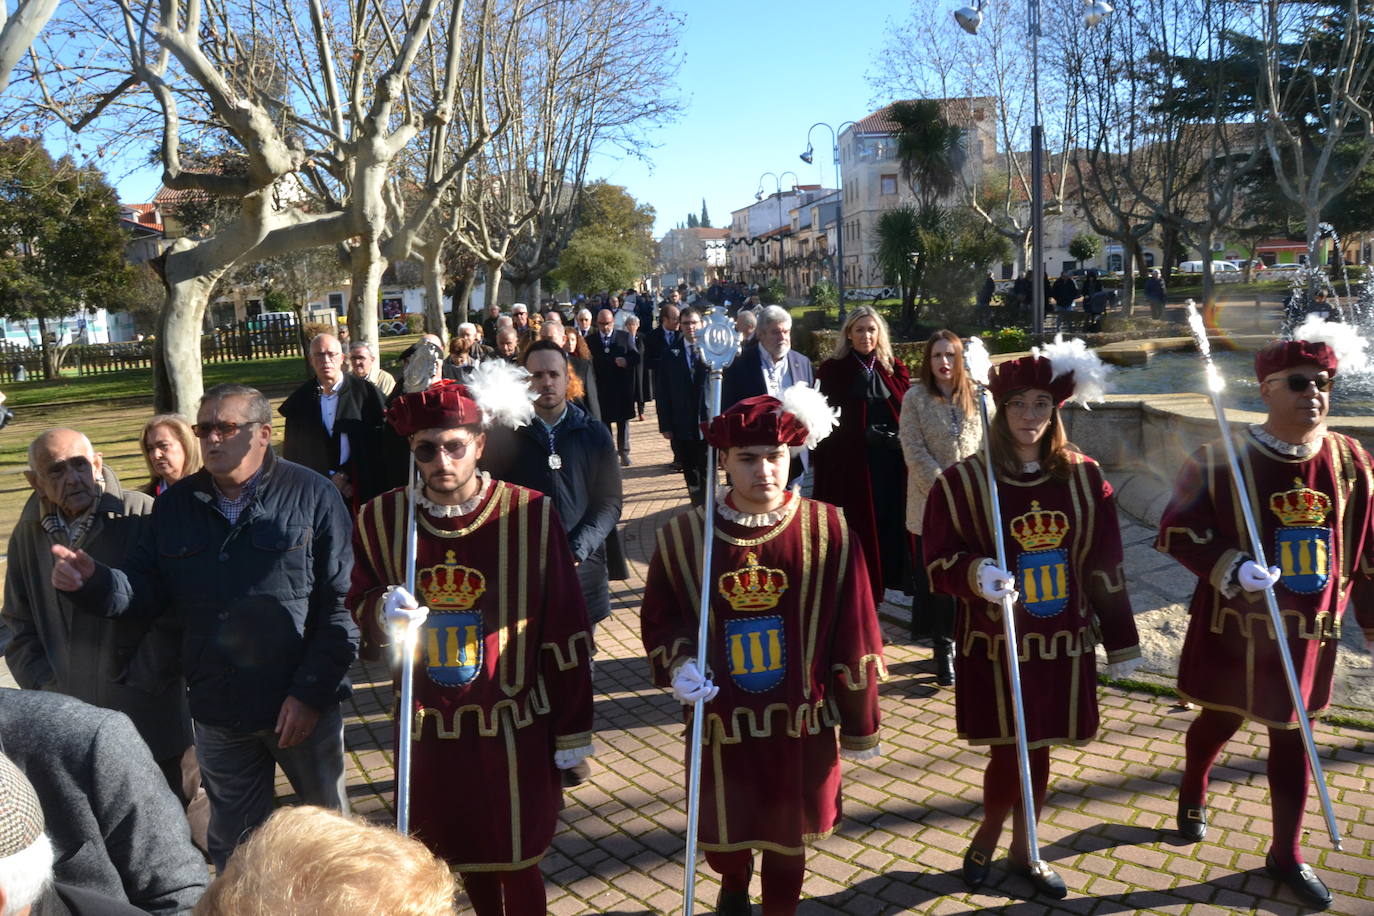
(931, 614)
(621, 428)
(691, 455)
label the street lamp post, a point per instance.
(839, 202)
(969, 19)
(758, 196)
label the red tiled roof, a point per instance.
(168, 199)
(146, 215)
(880, 121)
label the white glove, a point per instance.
(1255, 578)
(865, 754)
(567, 758)
(1119, 670)
(995, 583)
(689, 685)
(400, 609)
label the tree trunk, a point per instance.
(493, 283)
(368, 267)
(1209, 295)
(462, 296)
(1128, 256)
(431, 267)
(49, 365)
(177, 364)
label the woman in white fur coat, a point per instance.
(939, 427)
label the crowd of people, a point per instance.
(193, 634)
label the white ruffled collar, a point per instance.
(761, 520)
(464, 508)
(1299, 450)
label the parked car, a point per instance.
(1195, 267)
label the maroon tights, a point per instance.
(523, 892)
(782, 877)
(1287, 768)
(1002, 796)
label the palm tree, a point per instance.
(929, 149)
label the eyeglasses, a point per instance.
(225, 430)
(1297, 382)
(1026, 408)
(426, 452)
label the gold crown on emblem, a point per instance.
(1039, 529)
(1300, 505)
(451, 587)
(753, 588)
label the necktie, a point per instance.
(691, 355)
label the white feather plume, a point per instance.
(1344, 340)
(502, 393)
(977, 361)
(1089, 372)
(809, 406)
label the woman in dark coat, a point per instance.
(860, 467)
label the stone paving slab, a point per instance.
(910, 814)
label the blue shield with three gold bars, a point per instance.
(1042, 577)
(756, 649)
(1303, 556)
(453, 646)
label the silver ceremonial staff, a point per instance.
(1215, 385)
(419, 369)
(718, 344)
(978, 364)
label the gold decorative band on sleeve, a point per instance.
(859, 743)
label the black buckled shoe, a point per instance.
(1302, 881)
(1044, 879)
(944, 664)
(1192, 822)
(977, 864)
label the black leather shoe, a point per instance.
(733, 903)
(977, 864)
(1192, 822)
(1044, 879)
(1302, 881)
(576, 774)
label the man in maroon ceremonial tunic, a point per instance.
(795, 649)
(1310, 492)
(503, 695)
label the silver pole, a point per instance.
(420, 369)
(1215, 385)
(1013, 652)
(718, 343)
(409, 642)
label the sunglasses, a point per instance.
(225, 430)
(1297, 382)
(426, 452)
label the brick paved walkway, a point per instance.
(1107, 826)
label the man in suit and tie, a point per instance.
(614, 358)
(768, 365)
(334, 423)
(656, 343)
(681, 390)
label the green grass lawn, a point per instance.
(268, 374)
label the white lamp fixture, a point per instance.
(1097, 9)
(970, 17)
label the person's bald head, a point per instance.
(507, 340)
(605, 321)
(66, 470)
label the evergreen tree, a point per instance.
(692, 222)
(61, 248)
(705, 222)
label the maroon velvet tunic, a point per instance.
(1064, 546)
(796, 651)
(1314, 516)
(502, 677)
(840, 462)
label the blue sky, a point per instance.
(757, 74)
